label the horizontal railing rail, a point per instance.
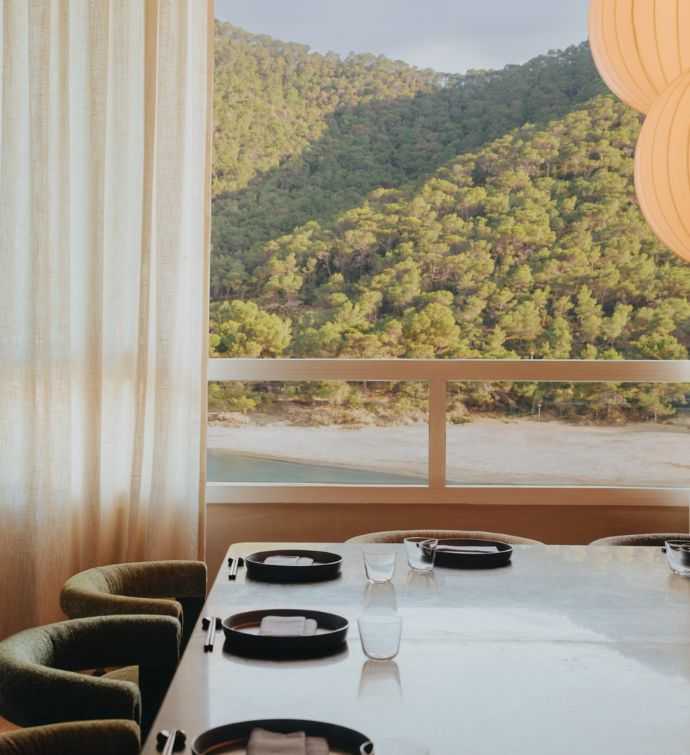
(519, 370)
(438, 373)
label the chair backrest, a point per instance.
(397, 536)
(162, 588)
(117, 737)
(645, 538)
(40, 681)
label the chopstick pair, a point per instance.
(234, 564)
(170, 741)
(210, 623)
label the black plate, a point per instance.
(232, 738)
(326, 566)
(473, 560)
(241, 631)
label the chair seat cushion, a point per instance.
(116, 737)
(124, 674)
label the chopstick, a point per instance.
(170, 741)
(234, 564)
(210, 623)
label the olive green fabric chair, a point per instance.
(397, 536)
(165, 588)
(117, 737)
(646, 538)
(40, 681)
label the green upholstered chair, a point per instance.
(397, 536)
(165, 588)
(646, 538)
(40, 682)
(117, 737)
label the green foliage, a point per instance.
(364, 208)
(231, 397)
(301, 136)
(241, 329)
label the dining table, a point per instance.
(567, 649)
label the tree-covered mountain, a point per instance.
(301, 136)
(364, 208)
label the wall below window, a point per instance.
(294, 522)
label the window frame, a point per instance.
(438, 373)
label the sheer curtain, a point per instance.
(104, 220)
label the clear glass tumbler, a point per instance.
(678, 555)
(379, 565)
(379, 634)
(421, 553)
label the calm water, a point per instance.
(229, 466)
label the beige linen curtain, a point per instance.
(104, 197)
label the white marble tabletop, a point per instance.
(569, 650)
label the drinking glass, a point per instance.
(678, 555)
(393, 747)
(379, 566)
(379, 634)
(421, 553)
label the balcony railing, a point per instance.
(437, 374)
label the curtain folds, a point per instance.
(105, 117)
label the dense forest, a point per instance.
(365, 208)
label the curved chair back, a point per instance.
(117, 737)
(163, 588)
(397, 536)
(646, 538)
(40, 681)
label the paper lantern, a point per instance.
(662, 167)
(640, 46)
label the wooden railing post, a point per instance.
(437, 434)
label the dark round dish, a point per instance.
(326, 566)
(242, 638)
(458, 560)
(233, 738)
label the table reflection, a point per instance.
(380, 682)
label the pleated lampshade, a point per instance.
(662, 167)
(640, 46)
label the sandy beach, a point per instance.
(484, 451)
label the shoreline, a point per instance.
(485, 451)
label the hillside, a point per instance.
(301, 136)
(446, 227)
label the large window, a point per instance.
(380, 229)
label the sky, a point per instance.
(452, 36)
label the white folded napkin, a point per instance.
(287, 626)
(262, 742)
(317, 746)
(467, 548)
(289, 561)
